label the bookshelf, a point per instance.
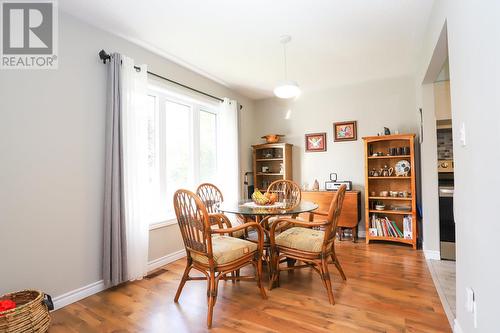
(276, 158)
(390, 202)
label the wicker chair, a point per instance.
(210, 251)
(288, 193)
(304, 241)
(210, 195)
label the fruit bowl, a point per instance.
(264, 199)
(272, 138)
(262, 202)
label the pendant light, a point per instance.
(286, 88)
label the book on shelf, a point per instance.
(400, 234)
(407, 227)
(383, 227)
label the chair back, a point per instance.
(210, 195)
(288, 192)
(334, 214)
(193, 221)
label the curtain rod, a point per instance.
(105, 57)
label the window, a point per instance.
(182, 147)
(208, 146)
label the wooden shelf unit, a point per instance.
(388, 156)
(269, 159)
(271, 155)
(393, 239)
(390, 177)
(392, 183)
(397, 212)
(390, 198)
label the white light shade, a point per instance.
(287, 89)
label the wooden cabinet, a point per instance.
(351, 208)
(271, 161)
(390, 203)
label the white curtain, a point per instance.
(228, 159)
(135, 171)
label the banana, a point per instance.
(259, 198)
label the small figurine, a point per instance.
(315, 185)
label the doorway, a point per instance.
(438, 176)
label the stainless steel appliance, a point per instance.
(446, 189)
(446, 219)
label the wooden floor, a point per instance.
(388, 289)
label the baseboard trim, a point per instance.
(432, 255)
(78, 294)
(93, 288)
(456, 327)
(162, 261)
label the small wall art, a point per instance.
(315, 142)
(345, 131)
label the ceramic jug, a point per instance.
(386, 172)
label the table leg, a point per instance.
(266, 257)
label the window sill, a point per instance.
(163, 224)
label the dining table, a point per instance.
(262, 213)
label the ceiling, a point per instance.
(334, 42)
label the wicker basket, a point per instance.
(30, 315)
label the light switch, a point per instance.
(470, 304)
(463, 142)
(469, 300)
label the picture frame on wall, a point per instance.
(315, 142)
(345, 131)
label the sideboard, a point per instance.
(351, 209)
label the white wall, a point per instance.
(429, 176)
(52, 162)
(473, 35)
(389, 102)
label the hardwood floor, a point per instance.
(388, 289)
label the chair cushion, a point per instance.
(303, 239)
(253, 236)
(227, 249)
(235, 221)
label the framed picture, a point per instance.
(315, 142)
(345, 131)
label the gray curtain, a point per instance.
(114, 241)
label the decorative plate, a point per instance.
(402, 168)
